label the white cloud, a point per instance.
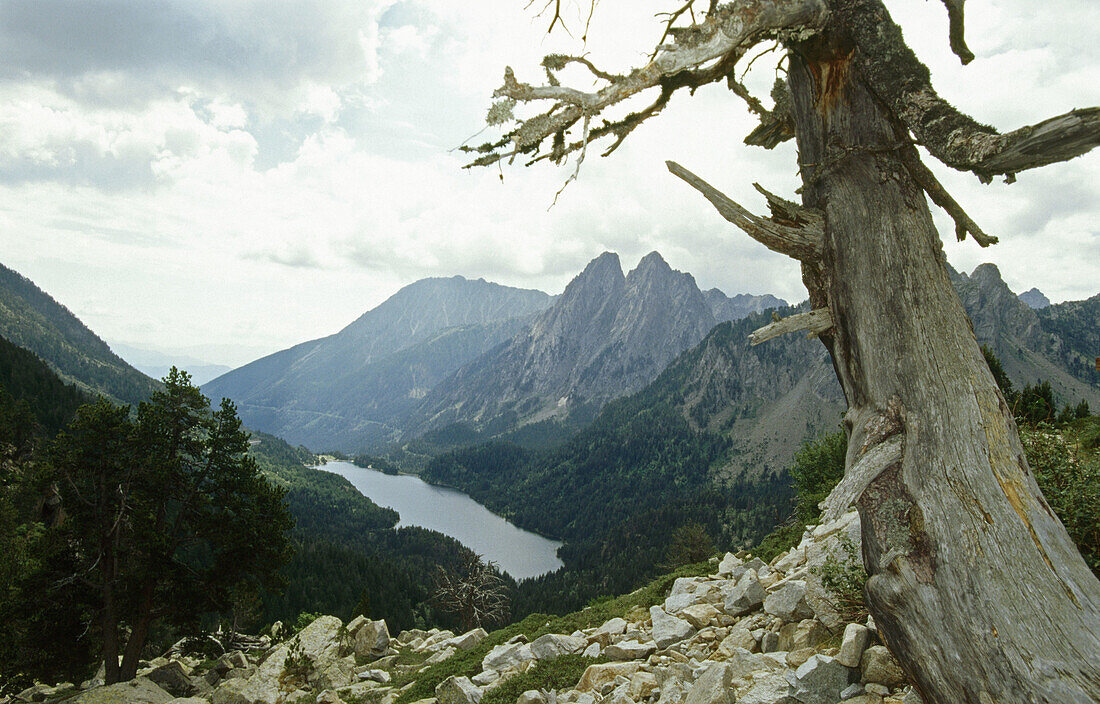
(277, 202)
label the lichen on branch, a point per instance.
(701, 53)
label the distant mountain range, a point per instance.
(1057, 343)
(352, 389)
(608, 335)
(157, 364)
(452, 351)
(33, 320)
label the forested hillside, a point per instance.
(662, 460)
(33, 320)
(27, 379)
(348, 557)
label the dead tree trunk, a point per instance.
(975, 585)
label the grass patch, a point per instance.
(468, 663)
(782, 538)
(560, 673)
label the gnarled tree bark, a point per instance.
(974, 584)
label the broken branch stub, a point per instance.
(815, 322)
(800, 239)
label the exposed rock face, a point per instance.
(1017, 335)
(1034, 299)
(347, 390)
(606, 336)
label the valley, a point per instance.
(578, 442)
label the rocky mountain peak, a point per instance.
(1035, 299)
(651, 264)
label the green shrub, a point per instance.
(1069, 478)
(818, 467)
(560, 673)
(782, 538)
(844, 577)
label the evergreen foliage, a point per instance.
(27, 378)
(346, 546)
(33, 320)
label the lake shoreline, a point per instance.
(522, 553)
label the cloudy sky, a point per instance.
(227, 178)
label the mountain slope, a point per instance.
(1075, 327)
(33, 320)
(349, 390)
(1056, 344)
(606, 336)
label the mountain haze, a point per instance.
(349, 389)
(606, 336)
(33, 320)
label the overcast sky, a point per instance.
(230, 178)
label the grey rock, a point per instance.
(172, 679)
(712, 687)
(189, 700)
(137, 691)
(879, 666)
(854, 642)
(597, 676)
(485, 677)
(789, 602)
(232, 659)
(727, 565)
(531, 696)
(746, 595)
(804, 634)
(767, 688)
(469, 639)
(738, 637)
(457, 690)
(440, 655)
(819, 680)
(552, 645)
(506, 656)
(592, 651)
(372, 639)
(699, 615)
(853, 690)
(769, 642)
(613, 627)
(629, 650)
(667, 629)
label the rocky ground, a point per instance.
(752, 633)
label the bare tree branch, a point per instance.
(702, 53)
(894, 73)
(799, 237)
(815, 321)
(939, 195)
(955, 30)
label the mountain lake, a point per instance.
(518, 552)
